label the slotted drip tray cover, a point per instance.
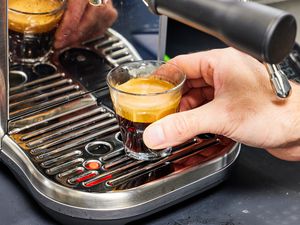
(80, 147)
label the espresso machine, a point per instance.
(60, 137)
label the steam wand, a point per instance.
(279, 81)
(266, 33)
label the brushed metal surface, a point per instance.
(3, 69)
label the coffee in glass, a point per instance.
(32, 25)
(142, 93)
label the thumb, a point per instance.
(180, 127)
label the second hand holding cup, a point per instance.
(143, 92)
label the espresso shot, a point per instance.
(32, 26)
(142, 93)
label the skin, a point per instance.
(229, 93)
(82, 21)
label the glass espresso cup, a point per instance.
(32, 25)
(143, 92)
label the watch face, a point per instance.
(291, 64)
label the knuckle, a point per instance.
(177, 59)
(113, 13)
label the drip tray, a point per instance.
(74, 165)
(65, 147)
(81, 148)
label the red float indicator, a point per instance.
(92, 165)
(97, 181)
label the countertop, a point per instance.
(261, 190)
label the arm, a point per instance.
(229, 93)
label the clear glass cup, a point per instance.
(143, 92)
(32, 25)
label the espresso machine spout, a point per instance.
(266, 33)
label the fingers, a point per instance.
(70, 22)
(176, 128)
(198, 65)
(82, 21)
(91, 25)
(95, 21)
(196, 97)
(194, 83)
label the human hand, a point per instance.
(82, 21)
(229, 93)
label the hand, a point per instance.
(229, 93)
(82, 21)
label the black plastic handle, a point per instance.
(264, 32)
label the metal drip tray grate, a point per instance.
(42, 93)
(64, 142)
(81, 148)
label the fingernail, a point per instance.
(154, 136)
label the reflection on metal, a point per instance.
(279, 81)
(17, 78)
(117, 49)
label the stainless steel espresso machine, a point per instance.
(60, 137)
